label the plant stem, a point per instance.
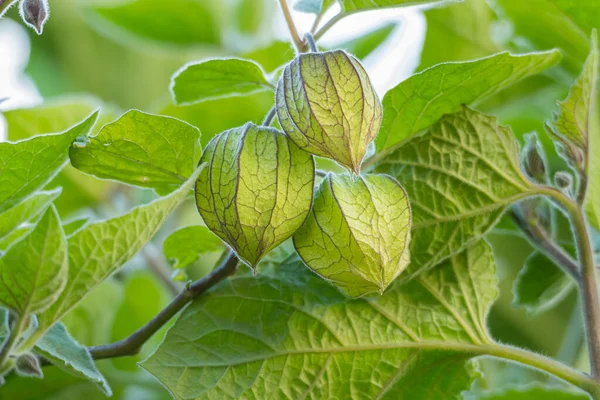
(300, 44)
(270, 115)
(312, 45)
(542, 241)
(588, 286)
(319, 34)
(132, 344)
(11, 340)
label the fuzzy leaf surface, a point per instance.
(298, 337)
(460, 175)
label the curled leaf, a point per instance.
(357, 233)
(327, 106)
(256, 190)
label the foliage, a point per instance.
(276, 223)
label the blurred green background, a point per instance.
(119, 55)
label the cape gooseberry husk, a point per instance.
(357, 233)
(256, 190)
(327, 106)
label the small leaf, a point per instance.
(541, 285)
(298, 337)
(350, 6)
(186, 244)
(28, 365)
(216, 78)
(63, 351)
(175, 22)
(575, 117)
(141, 149)
(28, 165)
(256, 190)
(328, 107)
(35, 14)
(34, 270)
(26, 211)
(100, 248)
(357, 233)
(424, 98)
(460, 175)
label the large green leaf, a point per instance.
(28, 165)
(458, 32)
(422, 99)
(99, 249)
(141, 149)
(26, 211)
(185, 245)
(34, 270)
(541, 285)
(460, 175)
(218, 78)
(173, 22)
(349, 6)
(62, 350)
(566, 24)
(298, 337)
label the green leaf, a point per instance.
(365, 44)
(141, 149)
(185, 245)
(56, 115)
(460, 175)
(256, 190)
(215, 116)
(566, 24)
(72, 226)
(35, 205)
(350, 6)
(216, 78)
(249, 15)
(58, 347)
(458, 32)
(176, 22)
(298, 337)
(357, 233)
(422, 99)
(99, 249)
(34, 270)
(533, 392)
(28, 165)
(541, 285)
(575, 117)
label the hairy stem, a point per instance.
(270, 116)
(7, 347)
(300, 44)
(132, 344)
(542, 241)
(587, 284)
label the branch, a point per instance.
(300, 44)
(132, 344)
(542, 241)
